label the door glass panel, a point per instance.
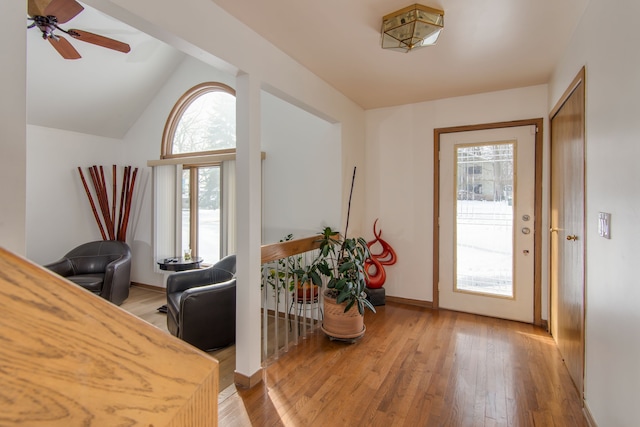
(484, 218)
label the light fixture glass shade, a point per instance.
(411, 28)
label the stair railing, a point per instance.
(290, 310)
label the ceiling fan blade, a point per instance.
(37, 7)
(63, 10)
(88, 37)
(64, 48)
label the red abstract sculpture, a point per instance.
(387, 256)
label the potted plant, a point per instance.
(342, 261)
(293, 273)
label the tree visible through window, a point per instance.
(208, 123)
(202, 122)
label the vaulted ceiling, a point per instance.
(485, 46)
(105, 91)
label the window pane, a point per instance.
(484, 219)
(186, 210)
(209, 213)
(208, 123)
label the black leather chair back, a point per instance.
(201, 305)
(103, 267)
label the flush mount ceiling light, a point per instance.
(411, 28)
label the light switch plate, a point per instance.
(604, 225)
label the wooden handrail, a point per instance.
(276, 251)
(71, 358)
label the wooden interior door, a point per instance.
(567, 229)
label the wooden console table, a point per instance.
(68, 358)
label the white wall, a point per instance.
(59, 216)
(612, 373)
(13, 120)
(399, 178)
(300, 171)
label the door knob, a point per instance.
(572, 237)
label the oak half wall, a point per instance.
(68, 357)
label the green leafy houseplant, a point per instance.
(342, 260)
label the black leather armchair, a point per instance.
(201, 305)
(103, 267)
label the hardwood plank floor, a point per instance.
(415, 367)
(143, 302)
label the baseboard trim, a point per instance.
(588, 416)
(544, 325)
(244, 381)
(407, 301)
(149, 287)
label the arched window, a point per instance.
(202, 123)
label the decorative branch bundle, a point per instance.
(110, 227)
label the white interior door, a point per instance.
(487, 198)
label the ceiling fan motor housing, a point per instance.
(46, 24)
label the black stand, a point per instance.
(375, 296)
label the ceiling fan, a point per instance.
(47, 14)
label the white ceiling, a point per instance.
(485, 46)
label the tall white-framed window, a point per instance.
(196, 193)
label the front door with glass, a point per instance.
(487, 198)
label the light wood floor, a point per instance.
(413, 367)
(143, 302)
(416, 367)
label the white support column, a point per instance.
(249, 208)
